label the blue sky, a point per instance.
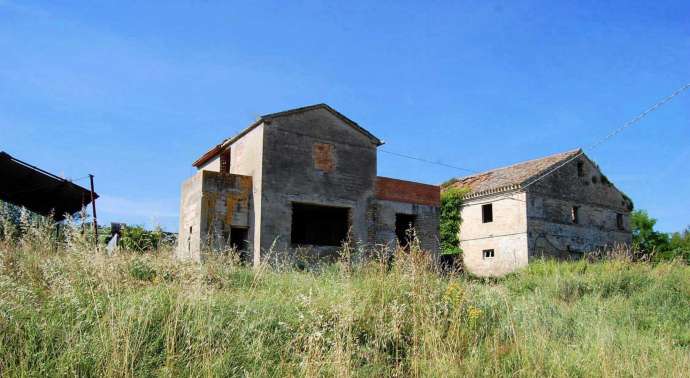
(134, 92)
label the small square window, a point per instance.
(580, 169)
(488, 253)
(619, 221)
(575, 215)
(487, 213)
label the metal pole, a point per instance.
(93, 206)
(81, 214)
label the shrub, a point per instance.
(142, 271)
(450, 220)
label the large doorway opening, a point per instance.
(319, 225)
(239, 241)
(404, 223)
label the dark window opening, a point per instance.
(487, 213)
(319, 225)
(575, 215)
(580, 169)
(404, 223)
(225, 161)
(619, 221)
(488, 253)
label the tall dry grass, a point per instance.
(71, 310)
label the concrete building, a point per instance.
(300, 179)
(509, 217)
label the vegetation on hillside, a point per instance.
(661, 245)
(70, 310)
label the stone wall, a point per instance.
(552, 231)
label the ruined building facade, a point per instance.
(519, 213)
(300, 179)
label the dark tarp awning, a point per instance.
(22, 184)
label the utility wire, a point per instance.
(594, 146)
(427, 161)
(614, 133)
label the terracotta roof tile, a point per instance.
(510, 177)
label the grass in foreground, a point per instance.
(77, 312)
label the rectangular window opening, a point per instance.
(619, 221)
(319, 225)
(404, 223)
(488, 253)
(487, 213)
(580, 169)
(575, 215)
(225, 162)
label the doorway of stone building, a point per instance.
(239, 241)
(404, 224)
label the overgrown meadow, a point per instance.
(69, 310)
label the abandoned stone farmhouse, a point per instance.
(300, 179)
(518, 213)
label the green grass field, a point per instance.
(72, 311)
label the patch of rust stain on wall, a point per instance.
(323, 157)
(236, 201)
(210, 199)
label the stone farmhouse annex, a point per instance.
(300, 179)
(509, 217)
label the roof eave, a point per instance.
(491, 192)
(215, 151)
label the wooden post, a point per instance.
(93, 206)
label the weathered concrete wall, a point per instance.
(314, 157)
(426, 224)
(246, 157)
(308, 157)
(212, 165)
(212, 203)
(552, 232)
(506, 235)
(226, 202)
(189, 240)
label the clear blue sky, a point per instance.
(134, 93)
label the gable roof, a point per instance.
(213, 152)
(511, 177)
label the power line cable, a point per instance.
(428, 161)
(597, 144)
(614, 133)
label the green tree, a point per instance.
(645, 238)
(679, 245)
(451, 201)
